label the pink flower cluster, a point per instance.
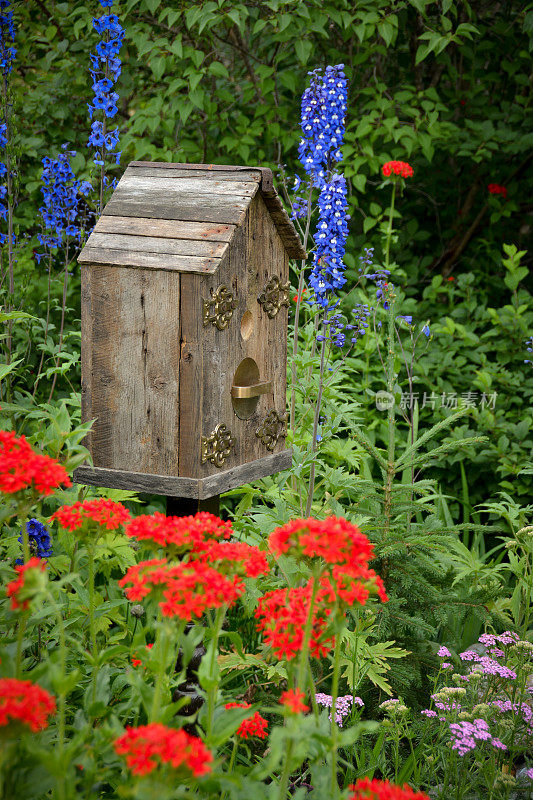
(465, 736)
(343, 706)
(488, 665)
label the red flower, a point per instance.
(24, 701)
(366, 789)
(254, 726)
(496, 188)
(235, 557)
(188, 589)
(400, 168)
(21, 467)
(105, 512)
(294, 700)
(148, 745)
(283, 614)
(295, 298)
(350, 585)
(183, 533)
(18, 590)
(451, 278)
(334, 539)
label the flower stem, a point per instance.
(302, 667)
(92, 632)
(315, 427)
(213, 683)
(334, 695)
(161, 647)
(20, 642)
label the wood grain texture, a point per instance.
(286, 229)
(137, 481)
(86, 349)
(164, 228)
(229, 211)
(207, 169)
(245, 473)
(134, 378)
(194, 186)
(157, 261)
(150, 244)
(191, 398)
(148, 170)
(200, 488)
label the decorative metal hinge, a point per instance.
(272, 427)
(219, 309)
(274, 296)
(218, 445)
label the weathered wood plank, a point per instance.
(244, 473)
(286, 229)
(161, 182)
(164, 228)
(86, 349)
(191, 410)
(137, 481)
(265, 172)
(174, 171)
(135, 370)
(148, 244)
(159, 261)
(201, 488)
(228, 210)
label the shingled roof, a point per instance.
(181, 217)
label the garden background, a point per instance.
(443, 86)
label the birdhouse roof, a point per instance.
(182, 217)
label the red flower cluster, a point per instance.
(283, 615)
(24, 701)
(148, 745)
(334, 539)
(182, 533)
(496, 188)
(188, 589)
(401, 168)
(366, 789)
(254, 726)
(16, 588)
(21, 467)
(105, 512)
(350, 585)
(237, 556)
(294, 700)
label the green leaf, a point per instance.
(303, 48)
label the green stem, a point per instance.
(315, 426)
(213, 685)
(284, 782)
(92, 632)
(389, 229)
(62, 699)
(302, 667)
(231, 761)
(334, 695)
(161, 647)
(20, 642)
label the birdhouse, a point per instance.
(185, 296)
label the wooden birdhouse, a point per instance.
(185, 296)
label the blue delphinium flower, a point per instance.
(7, 37)
(61, 198)
(324, 105)
(426, 331)
(105, 70)
(7, 56)
(38, 539)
